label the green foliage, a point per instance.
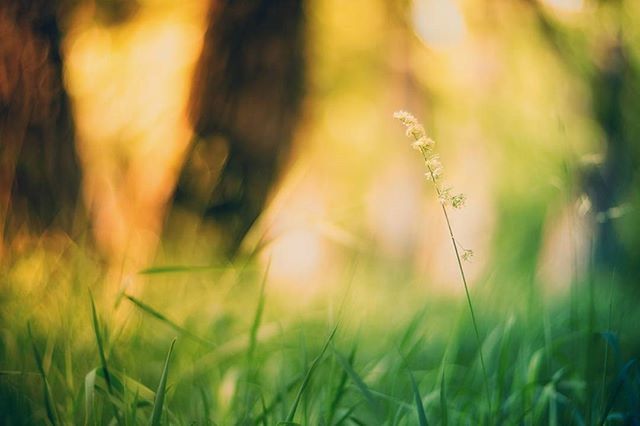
(158, 402)
(537, 365)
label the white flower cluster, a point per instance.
(424, 144)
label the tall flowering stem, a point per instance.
(421, 142)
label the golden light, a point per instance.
(130, 84)
(296, 257)
(568, 6)
(439, 23)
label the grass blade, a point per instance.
(121, 384)
(277, 400)
(360, 384)
(173, 269)
(205, 405)
(134, 409)
(422, 416)
(346, 415)
(257, 319)
(617, 387)
(159, 316)
(103, 358)
(100, 342)
(160, 393)
(89, 396)
(252, 368)
(340, 391)
(444, 411)
(307, 377)
(17, 373)
(52, 414)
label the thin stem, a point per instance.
(464, 281)
(471, 310)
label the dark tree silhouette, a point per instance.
(245, 103)
(614, 81)
(39, 172)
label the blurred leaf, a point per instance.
(444, 412)
(307, 377)
(422, 416)
(156, 314)
(52, 413)
(177, 269)
(160, 393)
(360, 384)
(612, 340)
(340, 390)
(617, 387)
(89, 396)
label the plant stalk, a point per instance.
(464, 282)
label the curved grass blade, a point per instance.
(160, 393)
(620, 381)
(422, 416)
(357, 421)
(360, 384)
(98, 333)
(159, 316)
(611, 340)
(173, 269)
(340, 391)
(17, 373)
(391, 399)
(346, 415)
(52, 414)
(205, 404)
(133, 415)
(444, 412)
(251, 367)
(257, 319)
(307, 377)
(101, 353)
(89, 396)
(276, 400)
(235, 347)
(121, 383)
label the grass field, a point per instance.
(372, 350)
(188, 342)
(350, 308)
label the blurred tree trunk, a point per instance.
(245, 104)
(613, 79)
(610, 185)
(39, 171)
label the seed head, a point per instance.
(467, 255)
(423, 143)
(406, 118)
(457, 201)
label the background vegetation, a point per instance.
(343, 304)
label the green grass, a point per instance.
(393, 356)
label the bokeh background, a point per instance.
(534, 106)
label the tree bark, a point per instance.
(39, 171)
(245, 104)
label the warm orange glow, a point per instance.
(439, 23)
(130, 86)
(565, 5)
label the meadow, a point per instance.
(210, 344)
(373, 352)
(368, 291)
